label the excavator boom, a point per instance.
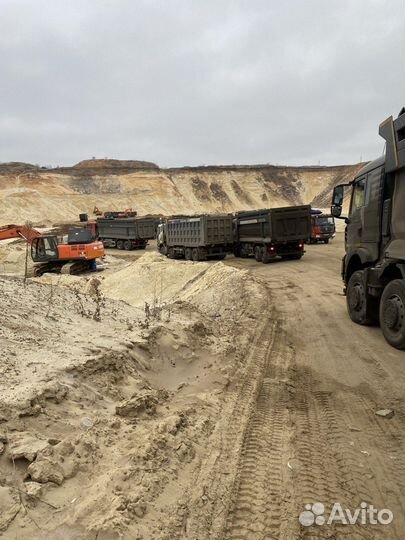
(18, 231)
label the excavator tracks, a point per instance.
(68, 268)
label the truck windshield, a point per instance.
(323, 221)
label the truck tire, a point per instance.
(195, 254)
(120, 244)
(188, 254)
(170, 253)
(258, 253)
(392, 313)
(128, 245)
(163, 249)
(361, 307)
(326, 240)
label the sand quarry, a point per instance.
(163, 399)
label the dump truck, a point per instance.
(373, 268)
(270, 233)
(323, 227)
(126, 233)
(198, 238)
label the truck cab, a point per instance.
(373, 268)
(322, 228)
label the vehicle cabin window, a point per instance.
(359, 195)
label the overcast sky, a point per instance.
(199, 81)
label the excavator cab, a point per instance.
(44, 248)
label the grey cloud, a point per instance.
(190, 81)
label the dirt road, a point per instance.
(263, 400)
(302, 428)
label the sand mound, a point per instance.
(212, 288)
(12, 257)
(96, 394)
(151, 277)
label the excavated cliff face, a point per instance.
(46, 196)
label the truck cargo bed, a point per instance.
(275, 225)
(199, 231)
(126, 233)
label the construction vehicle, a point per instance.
(126, 232)
(197, 238)
(75, 255)
(122, 230)
(270, 233)
(128, 212)
(373, 268)
(323, 227)
(18, 231)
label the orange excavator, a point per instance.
(75, 256)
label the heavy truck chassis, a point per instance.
(373, 268)
(266, 252)
(204, 253)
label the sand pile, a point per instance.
(210, 287)
(105, 410)
(151, 277)
(13, 256)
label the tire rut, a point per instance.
(218, 471)
(260, 500)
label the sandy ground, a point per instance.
(243, 395)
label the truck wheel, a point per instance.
(361, 308)
(258, 254)
(163, 249)
(170, 253)
(127, 245)
(120, 244)
(195, 254)
(188, 254)
(326, 240)
(392, 313)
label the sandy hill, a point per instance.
(42, 195)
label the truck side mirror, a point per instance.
(338, 195)
(337, 201)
